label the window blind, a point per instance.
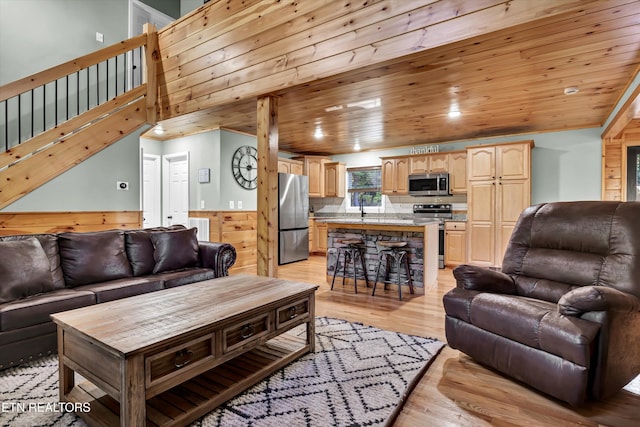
(364, 179)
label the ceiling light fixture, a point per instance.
(356, 146)
(318, 134)
(454, 114)
(158, 130)
(571, 90)
(367, 104)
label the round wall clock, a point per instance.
(244, 166)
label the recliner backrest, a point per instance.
(558, 246)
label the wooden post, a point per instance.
(267, 133)
(149, 71)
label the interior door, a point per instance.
(151, 191)
(176, 193)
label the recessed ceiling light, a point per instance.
(318, 134)
(158, 130)
(571, 90)
(454, 113)
(356, 146)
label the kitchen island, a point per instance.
(422, 245)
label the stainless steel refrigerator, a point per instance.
(293, 218)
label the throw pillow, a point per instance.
(93, 257)
(24, 269)
(173, 250)
(140, 251)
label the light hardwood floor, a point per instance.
(455, 391)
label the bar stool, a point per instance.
(350, 253)
(393, 252)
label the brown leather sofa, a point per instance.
(563, 315)
(48, 273)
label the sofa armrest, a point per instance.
(483, 279)
(597, 298)
(217, 256)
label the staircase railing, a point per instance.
(30, 108)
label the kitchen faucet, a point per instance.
(362, 212)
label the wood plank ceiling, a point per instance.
(505, 82)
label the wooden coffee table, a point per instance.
(171, 356)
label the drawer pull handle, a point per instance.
(246, 331)
(183, 358)
(292, 312)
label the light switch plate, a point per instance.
(230, 204)
(239, 204)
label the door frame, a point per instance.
(166, 162)
(623, 172)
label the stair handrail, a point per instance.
(26, 85)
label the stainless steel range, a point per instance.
(428, 212)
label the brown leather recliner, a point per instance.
(563, 315)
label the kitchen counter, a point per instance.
(422, 245)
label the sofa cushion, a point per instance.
(531, 322)
(24, 269)
(140, 251)
(122, 288)
(172, 279)
(93, 257)
(49, 243)
(173, 250)
(37, 309)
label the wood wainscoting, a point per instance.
(239, 228)
(614, 158)
(56, 222)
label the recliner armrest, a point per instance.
(483, 279)
(597, 298)
(217, 256)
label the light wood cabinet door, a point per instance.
(322, 237)
(296, 168)
(334, 179)
(388, 176)
(312, 234)
(438, 162)
(283, 166)
(481, 163)
(402, 176)
(455, 243)
(512, 161)
(458, 173)
(481, 222)
(512, 197)
(419, 164)
(315, 173)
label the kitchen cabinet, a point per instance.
(499, 189)
(312, 232)
(429, 163)
(455, 243)
(334, 179)
(457, 172)
(321, 237)
(395, 175)
(313, 167)
(290, 166)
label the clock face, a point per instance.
(244, 166)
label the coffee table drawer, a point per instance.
(178, 359)
(291, 313)
(245, 332)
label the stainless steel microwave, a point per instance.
(429, 184)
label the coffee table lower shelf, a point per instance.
(198, 396)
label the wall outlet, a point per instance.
(230, 204)
(100, 37)
(122, 185)
(239, 204)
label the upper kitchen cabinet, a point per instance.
(395, 175)
(290, 166)
(429, 163)
(334, 179)
(457, 172)
(314, 169)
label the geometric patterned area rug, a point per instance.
(358, 376)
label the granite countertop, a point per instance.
(372, 221)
